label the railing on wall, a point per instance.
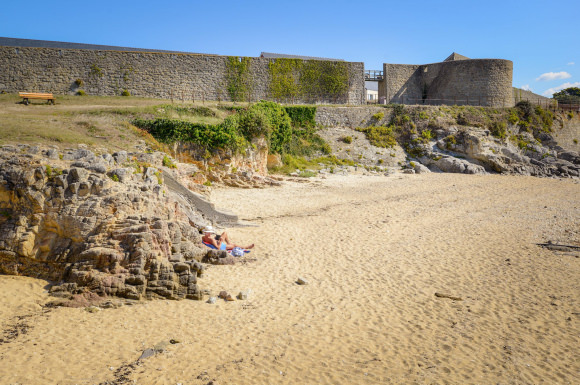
(309, 98)
(463, 100)
(373, 75)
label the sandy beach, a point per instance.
(375, 251)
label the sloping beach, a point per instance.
(375, 252)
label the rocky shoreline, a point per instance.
(106, 224)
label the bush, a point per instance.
(570, 115)
(125, 93)
(379, 116)
(526, 109)
(498, 129)
(203, 111)
(301, 116)
(79, 82)
(167, 162)
(278, 125)
(223, 136)
(426, 135)
(81, 93)
(450, 141)
(380, 136)
(513, 118)
(346, 139)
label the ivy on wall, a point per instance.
(291, 78)
(239, 82)
(284, 76)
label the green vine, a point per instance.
(239, 83)
(308, 79)
(284, 78)
(96, 71)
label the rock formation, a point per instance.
(104, 224)
(475, 151)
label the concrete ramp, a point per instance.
(210, 214)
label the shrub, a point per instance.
(450, 141)
(277, 124)
(167, 162)
(570, 115)
(526, 109)
(114, 177)
(301, 116)
(79, 82)
(513, 118)
(426, 135)
(498, 129)
(125, 93)
(207, 183)
(346, 139)
(379, 116)
(423, 115)
(81, 93)
(203, 111)
(380, 136)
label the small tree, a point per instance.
(568, 95)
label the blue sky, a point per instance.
(540, 37)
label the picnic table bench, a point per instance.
(26, 96)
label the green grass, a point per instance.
(100, 121)
(380, 136)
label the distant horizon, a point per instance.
(534, 35)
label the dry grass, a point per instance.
(97, 121)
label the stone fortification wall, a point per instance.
(520, 94)
(146, 74)
(400, 81)
(486, 82)
(350, 117)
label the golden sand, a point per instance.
(374, 251)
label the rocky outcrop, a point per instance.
(472, 150)
(106, 224)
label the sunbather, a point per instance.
(220, 242)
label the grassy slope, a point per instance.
(92, 120)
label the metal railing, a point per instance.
(373, 75)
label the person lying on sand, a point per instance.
(221, 242)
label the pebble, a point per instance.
(244, 294)
(212, 300)
(301, 281)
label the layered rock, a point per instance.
(472, 150)
(107, 224)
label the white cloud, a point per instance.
(550, 91)
(526, 87)
(553, 76)
(571, 63)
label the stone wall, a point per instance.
(520, 94)
(486, 82)
(567, 133)
(146, 74)
(350, 117)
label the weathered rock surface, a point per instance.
(102, 224)
(476, 151)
